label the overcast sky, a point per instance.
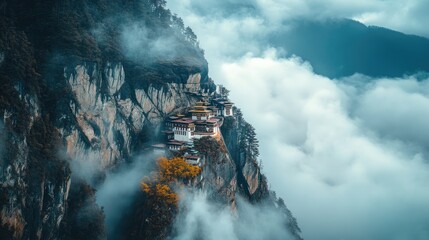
(348, 156)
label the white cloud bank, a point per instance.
(348, 156)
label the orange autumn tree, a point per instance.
(170, 171)
(176, 169)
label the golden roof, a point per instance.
(199, 111)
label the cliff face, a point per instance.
(74, 107)
(33, 203)
(34, 181)
(110, 114)
(240, 139)
(219, 174)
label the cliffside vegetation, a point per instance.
(155, 207)
(90, 29)
(209, 147)
(84, 218)
(170, 173)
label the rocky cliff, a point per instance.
(240, 139)
(76, 103)
(108, 115)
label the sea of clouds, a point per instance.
(348, 155)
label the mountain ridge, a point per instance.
(342, 47)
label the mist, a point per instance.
(115, 190)
(138, 45)
(200, 218)
(120, 187)
(87, 165)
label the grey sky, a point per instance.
(348, 156)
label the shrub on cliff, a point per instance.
(169, 172)
(209, 147)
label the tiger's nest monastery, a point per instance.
(202, 120)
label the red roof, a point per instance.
(213, 120)
(183, 120)
(177, 143)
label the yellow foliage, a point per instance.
(175, 169)
(145, 187)
(168, 172)
(164, 192)
(161, 192)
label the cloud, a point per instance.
(348, 155)
(201, 218)
(405, 16)
(406, 102)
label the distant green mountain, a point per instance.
(342, 47)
